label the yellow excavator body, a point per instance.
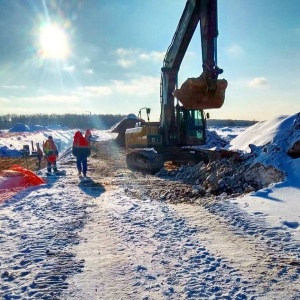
(144, 136)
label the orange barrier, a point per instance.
(16, 179)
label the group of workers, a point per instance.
(81, 150)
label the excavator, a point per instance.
(182, 124)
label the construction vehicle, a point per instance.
(182, 124)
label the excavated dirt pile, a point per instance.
(199, 184)
(235, 175)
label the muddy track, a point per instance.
(267, 255)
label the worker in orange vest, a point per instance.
(81, 150)
(88, 135)
(51, 153)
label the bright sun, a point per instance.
(54, 42)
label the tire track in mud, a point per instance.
(107, 262)
(36, 260)
(270, 267)
(179, 264)
(157, 256)
(267, 257)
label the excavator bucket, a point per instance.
(194, 94)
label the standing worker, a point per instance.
(88, 135)
(81, 149)
(39, 155)
(51, 153)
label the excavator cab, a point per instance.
(191, 126)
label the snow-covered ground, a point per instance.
(279, 203)
(11, 142)
(62, 240)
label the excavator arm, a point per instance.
(195, 11)
(182, 37)
(209, 34)
(196, 93)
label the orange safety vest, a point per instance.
(83, 142)
(77, 135)
(50, 150)
(88, 134)
(81, 146)
(49, 146)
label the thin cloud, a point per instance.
(235, 50)
(141, 86)
(126, 57)
(69, 68)
(4, 101)
(13, 87)
(51, 102)
(89, 71)
(126, 63)
(258, 82)
(124, 52)
(86, 60)
(130, 57)
(51, 99)
(94, 91)
(135, 87)
(153, 56)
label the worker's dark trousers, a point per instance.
(81, 161)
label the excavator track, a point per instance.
(149, 161)
(145, 161)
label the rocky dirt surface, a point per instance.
(268, 255)
(191, 183)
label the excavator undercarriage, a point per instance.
(152, 161)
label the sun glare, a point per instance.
(54, 42)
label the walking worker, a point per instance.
(51, 153)
(88, 135)
(81, 150)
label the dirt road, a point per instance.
(259, 262)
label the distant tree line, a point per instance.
(243, 123)
(101, 122)
(72, 121)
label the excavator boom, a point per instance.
(204, 92)
(195, 11)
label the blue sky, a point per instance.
(113, 52)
